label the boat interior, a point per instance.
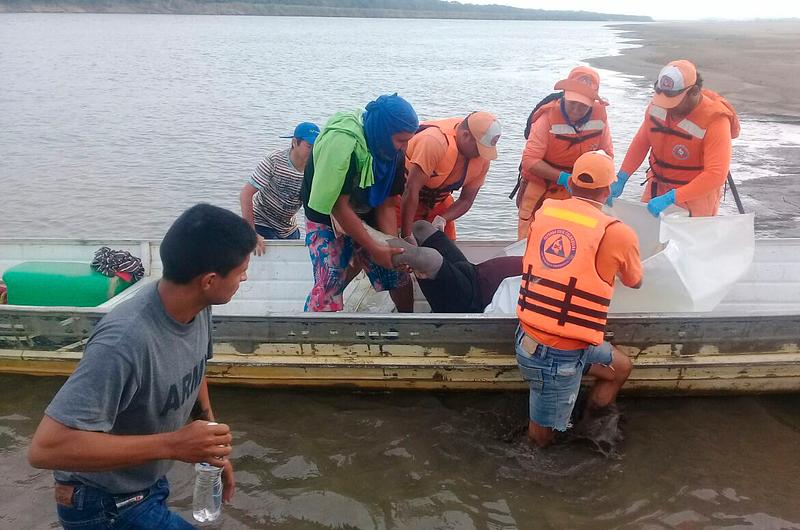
(279, 281)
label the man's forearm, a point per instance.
(462, 205)
(59, 447)
(409, 210)
(202, 409)
(246, 203)
(459, 208)
(546, 171)
(351, 223)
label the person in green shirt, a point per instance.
(355, 174)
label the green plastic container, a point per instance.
(60, 283)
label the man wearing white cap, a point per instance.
(446, 156)
(687, 131)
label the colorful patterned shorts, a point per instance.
(330, 257)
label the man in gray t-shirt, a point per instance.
(113, 430)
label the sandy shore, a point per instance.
(756, 66)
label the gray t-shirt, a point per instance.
(140, 374)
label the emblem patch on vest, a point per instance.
(681, 152)
(557, 248)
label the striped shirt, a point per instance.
(278, 199)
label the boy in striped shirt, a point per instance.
(271, 198)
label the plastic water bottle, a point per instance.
(207, 501)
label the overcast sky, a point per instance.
(667, 10)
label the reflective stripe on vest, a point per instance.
(684, 138)
(565, 128)
(567, 143)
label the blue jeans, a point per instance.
(94, 509)
(554, 377)
(269, 233)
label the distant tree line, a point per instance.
(354, 8)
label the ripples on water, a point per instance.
(110, 125)
(333, 460)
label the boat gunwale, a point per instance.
(20, 310)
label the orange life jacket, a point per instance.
(562, 293)
(566, 143)
(676, 150)
(445, 179)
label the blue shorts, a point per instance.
(554, 377)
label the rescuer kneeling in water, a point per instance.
(573, 254)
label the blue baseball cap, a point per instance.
(305, 131)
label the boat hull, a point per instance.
(676, 355)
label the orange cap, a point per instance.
(593, 170)
(486, 130)
(581, 85)
(673, 83)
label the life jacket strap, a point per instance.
(559, 166)
(562, 304)
(575, 140)
(562, 319)
(568, 289)
(663, 129)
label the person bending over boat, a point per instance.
(574, 252)
(355, 173)
(114, 428)
(687, 130)
(561, 127)
(271, 199)
(446, 156)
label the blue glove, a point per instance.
(563, 180)
(661, 203)
(618, 186)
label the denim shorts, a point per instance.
(91, 508)
(270, 233)
(554, 377)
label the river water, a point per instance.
(334, 460)
(110, 125)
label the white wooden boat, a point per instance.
(749, 343)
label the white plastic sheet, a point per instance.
(689, 263)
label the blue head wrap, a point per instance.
(387, 115)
